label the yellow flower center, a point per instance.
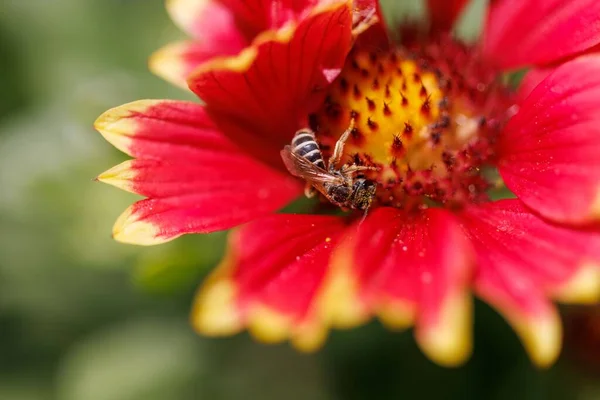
(421, 120)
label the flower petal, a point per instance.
(233, 172)
(549, 150)
(197, 179)
(228, 190)
(176, 61)
(249, 17)
(158, 220)
(443, 13)
(263, 95)
(406, 269)
(520, 33)
(226, 27)
(269, 280)
(376, 36)
(211, 21)
(260, 15)
(532, 78)
(216, 30)
(522, 260)
(162, 129)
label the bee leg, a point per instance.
(355, 168)
(339, 147)
(310, 191)
(361, 24)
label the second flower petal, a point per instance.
(197, 181)
(522, 261)
(263, 95)
(549, 150)
(269, 279)
(523, 33)
(406, 270)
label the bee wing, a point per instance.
(303, 168)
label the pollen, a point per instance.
(427, 118)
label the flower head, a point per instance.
(433, 126)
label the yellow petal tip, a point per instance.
(583, 287)
(121, 176)
(167, 64)
(542, 338)
(117, 126)
(396, 315)
(450, 342)
(339, 302)
(185, 12)
(267, 325)
(215, 312)
(127, 229)
(310, 338)
(270, 326)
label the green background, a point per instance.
(85, 318)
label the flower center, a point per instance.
(427, 119)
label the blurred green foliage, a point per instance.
(83, 317)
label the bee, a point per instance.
(303, 158)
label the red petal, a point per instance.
(227, 172)
(259, 15)
(270, 278)
(209, 21)
(522, 260)
(222, 28)
(520, 33)
(406, 268)
(532, 78)
(158, 220)
(176, 61)
(376, 37)
(549, 150)
(249, 17)
(162, 129)
(261, 97)
(443, 13)
(197, 179)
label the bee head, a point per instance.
(363, 193)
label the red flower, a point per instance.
(430, 115)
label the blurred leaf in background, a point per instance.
(84, 317)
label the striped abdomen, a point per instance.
(305, 145)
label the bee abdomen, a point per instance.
(305, 145)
